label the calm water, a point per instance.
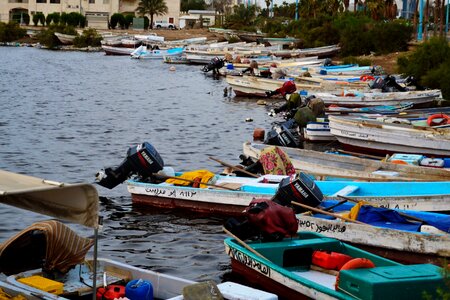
(66, 115)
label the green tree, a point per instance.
(128, 20)
(11, 32)
(152, 8)
(242, 17)
(117, 18)
(187, 5)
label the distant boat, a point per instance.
(253, 86)
(109, 50)
(65, 39)
(143, 53)
(351, 98)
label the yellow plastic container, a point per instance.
(43, 284)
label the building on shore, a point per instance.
(97, 12)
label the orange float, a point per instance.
(356, 263)
(444, 120)
(366, 78)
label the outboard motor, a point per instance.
(142, 160)
(299, 188)
(391, 85)
(281, 135)
(215, 64)
(328, 62)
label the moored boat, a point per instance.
(65, 39)
(143, 53)
(324, 165)
(252, 86)
(110, 50)
(229, 195)
(389, 136)
(287, 268)
(47, 259)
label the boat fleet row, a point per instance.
(302, 223)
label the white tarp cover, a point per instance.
(76, 203)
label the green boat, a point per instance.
(291, 269)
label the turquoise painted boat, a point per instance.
(421, 196)
(293, 269)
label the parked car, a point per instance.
(164, 24)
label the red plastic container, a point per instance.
(111, 292)
(330, 260)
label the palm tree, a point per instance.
(268, 7)
(152, 7)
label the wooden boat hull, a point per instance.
(195, 206)
(65, 39)
(285, 268)
(417, 98)
(391, 138)
(109, 50)
(422, 196)
(408, 247)
(211, 201)
(251, 86)
(318, 131)
(332, 165)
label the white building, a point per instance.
(97, 12)
(194, 16)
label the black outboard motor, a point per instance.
(299, 188)
(281, 135)
(215, 64)
(391, 85)
(142, 160)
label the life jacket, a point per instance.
(273, 220)
(288, 87)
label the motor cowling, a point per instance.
(215, 63)
(299, 188)
(142, 160)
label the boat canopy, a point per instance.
(47, 244)
(76, 203)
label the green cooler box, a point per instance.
(393, 282)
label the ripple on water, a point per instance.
(69, 115)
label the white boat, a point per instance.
(149, 38)
(325, 51)
(76, 203)
(252, 86)
(384, 137)
(352, 98)
(143, 53)
(318, 132)
(66, 39)
(110, 50)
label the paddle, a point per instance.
(243, 243)
(233, 167)
(165, 177)
(360, 154)
(321, 211)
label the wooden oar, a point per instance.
(400, 213)
(243, 243)
(233, 167)
(165, 177)
(360, 154)
(321, 211)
